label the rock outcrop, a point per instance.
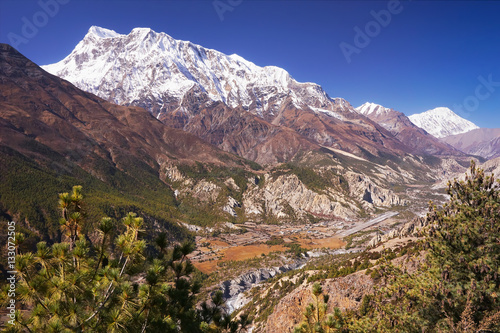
(367, 191)
(206, 191)
(173, 173)
(232, 203)
(411, 228)
(345, 293)
(287, 194)
(287, 197)
(492, 167)
(232, 289)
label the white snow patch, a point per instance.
(442, 122)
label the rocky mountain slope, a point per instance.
(442, 122)
(484, 142)
(330, 188)
(38, 106)
(224, 99)
(412, 228)
(233, 289)
(126, 154)
(345, 293)
(492, 166)
(405, 131)
(63, 136)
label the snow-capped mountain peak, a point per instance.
(442, 122)
(102, 32)
(143, 31)
(372, 108)
(156, 71)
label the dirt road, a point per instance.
(367, 224)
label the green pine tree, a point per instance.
(457, 287)
(316, 319)
(97, 284)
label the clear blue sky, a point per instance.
(430, 54)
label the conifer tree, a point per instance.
(216, 320)
(80, 285)
(315, 315)
(457, 287)
(464, 246)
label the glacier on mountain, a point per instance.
(372, 108)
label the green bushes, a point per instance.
(275, 241)
(311, 179)
(456, 288)
(28, 188)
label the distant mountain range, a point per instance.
(484, 142)
(404, 130)
(460, 133)
(156, 71)
(54, 135)
(190, 123)
(260, 113)
(440, 122)
(443, 124)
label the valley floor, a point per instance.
(250, 240)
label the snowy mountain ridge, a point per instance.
(404, 129)
(372, 109)
(155, 65)
(442, 122)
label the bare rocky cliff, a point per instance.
(345, 293)
(366, 191)
(233, 289)
(412, 228)
(283, 195)
(286, 192)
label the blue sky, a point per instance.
(418, 54)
